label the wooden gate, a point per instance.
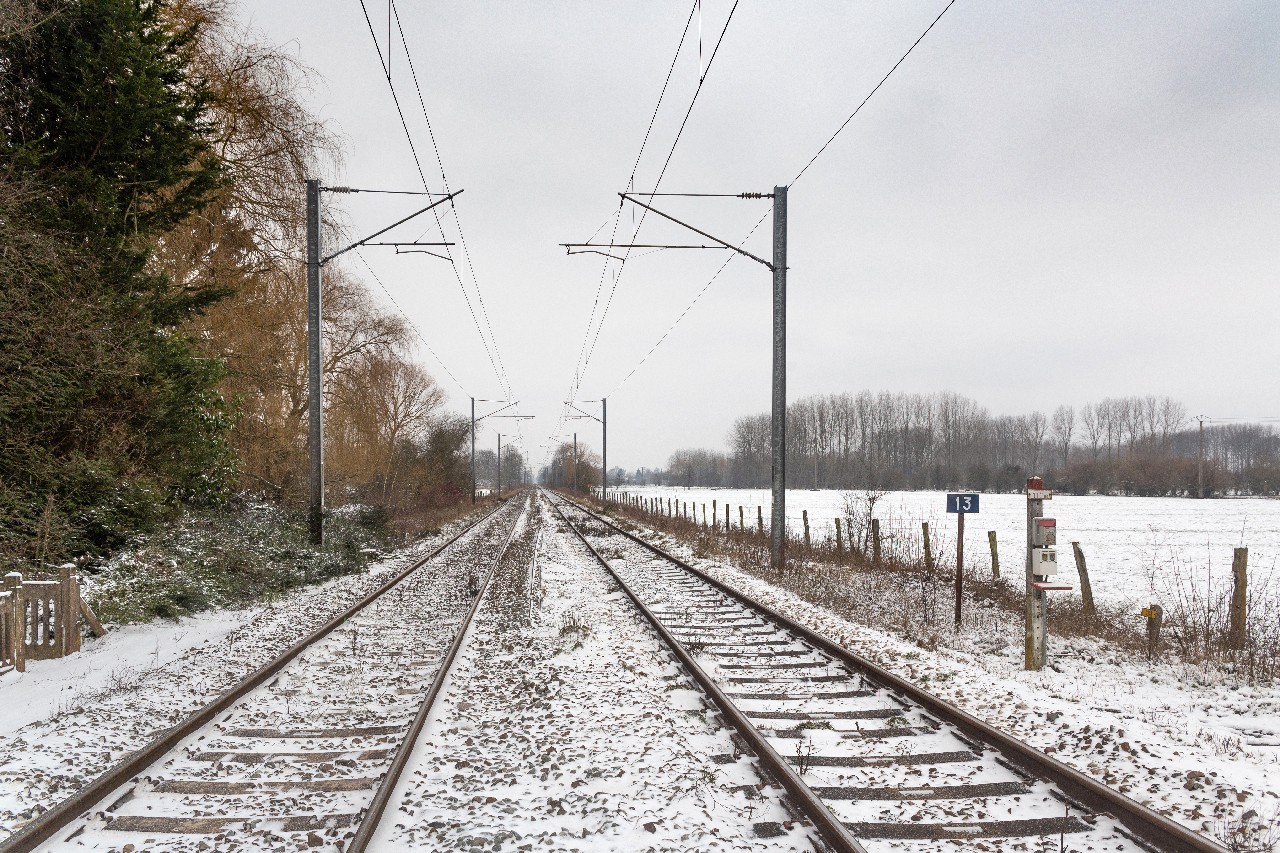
(39, 619)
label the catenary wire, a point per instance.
(666, 163)
(576, 381)
(498, 373)
(875, 89)
(457, 220)
(412, 324)
(824, 147)
(584, 363)
(686, 310)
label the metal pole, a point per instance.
(498, 485)
(778, 440)
(575, 462)
(473, 451)
(604, 449)
(959, 565)
(1200, 465)
(315, 391)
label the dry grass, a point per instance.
(900, 594)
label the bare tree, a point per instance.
(1094, 428)
(1064, 422)
(1032, 429)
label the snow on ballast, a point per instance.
(298, 758)
(886, 765)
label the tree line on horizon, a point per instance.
(1138, 445)
(153, 155)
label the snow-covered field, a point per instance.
(1128, 541)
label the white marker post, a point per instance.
(1042, 569)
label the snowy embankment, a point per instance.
(1133, 545)
(63, 722)
(1195, 744)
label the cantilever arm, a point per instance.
(389, 227)
(740, 251)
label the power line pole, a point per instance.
(1200, 464)
(778, 441)
(603, 420)
(498, 488)
(315, 398)
(575, 462)
(473, 451)
(315, 371)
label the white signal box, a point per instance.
(1044, 562)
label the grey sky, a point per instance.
(1047, 203)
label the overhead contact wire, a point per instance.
(666, 163)
(412, 324)
(457, 220)
(421, 174)
(576, 381)
(812, 159)
(845, 124)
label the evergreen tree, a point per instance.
(107, 413)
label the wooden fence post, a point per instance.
(726, 519)
(805, 515)
(928, 547)
(760, 519)
(1086, 590)
(17, 620)
(839, 541)
(742, 519)
(1237, 633)
(875, 541)
(715, 516)
(92, 618)
(995, 555)
(1155, 618)
(69, 613)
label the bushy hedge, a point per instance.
(229, 558)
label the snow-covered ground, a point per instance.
(567, 727)
(567, 723)
(1197, 745)
(1128, 541)
(63, 722)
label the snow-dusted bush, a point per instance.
(225, 558)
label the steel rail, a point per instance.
(1146, 824)
(833, 831)
(30, 836)
(386, 787)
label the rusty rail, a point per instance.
(1145, 824)
(834, 833)
(58, 817)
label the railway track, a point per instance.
(873, 761)
(306, 750)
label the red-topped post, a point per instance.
(1036, 609)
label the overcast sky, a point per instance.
(1046, 203)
